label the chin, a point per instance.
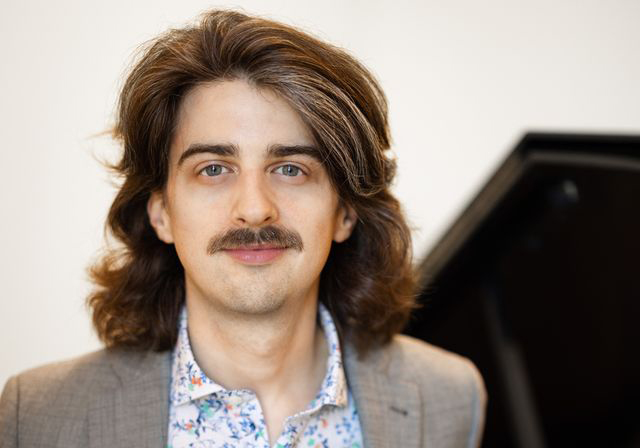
(254, 304)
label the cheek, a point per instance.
(314, 206)
(315, 221)
(195, 218)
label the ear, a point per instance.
(159, 218)
(346, 220)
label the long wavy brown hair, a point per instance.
(368, 281)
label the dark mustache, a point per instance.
(272, 235)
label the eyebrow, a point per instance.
(292, 150)
(230, 150)
(199, 148)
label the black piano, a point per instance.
(538, 282)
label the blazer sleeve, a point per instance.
(479, 405)
(9, 414)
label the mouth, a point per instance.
(255, 254)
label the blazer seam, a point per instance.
(475, 417)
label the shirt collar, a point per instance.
(190, 383)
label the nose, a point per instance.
(254, 204)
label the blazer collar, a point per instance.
(389, 406)
(135, 411)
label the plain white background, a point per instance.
(464, 80)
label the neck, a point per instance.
(281, 356)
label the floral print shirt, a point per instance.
(205, 414)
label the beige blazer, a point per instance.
(408, 394)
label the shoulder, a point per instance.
(86, 374)
(47, 382)
(407, 359)
(55, 398)
(444, 376)
(450, 388)
(72, 370)
(69, 380)
(418, 361)
(49, 399)
(101, 369)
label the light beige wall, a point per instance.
(464, 80)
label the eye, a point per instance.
(214, 170)
(289, 170)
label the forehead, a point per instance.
(237, 113)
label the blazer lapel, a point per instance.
(135, 411)
(389, 407)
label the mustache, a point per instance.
(275, 236)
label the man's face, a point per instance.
(248, 205)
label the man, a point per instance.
(264, 269)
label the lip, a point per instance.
(256, 255)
